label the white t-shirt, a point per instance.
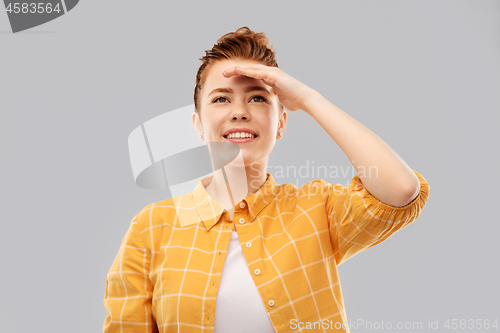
(238, 307)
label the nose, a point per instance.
(240, 112)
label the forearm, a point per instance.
(382, 171)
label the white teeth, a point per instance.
(240, 135)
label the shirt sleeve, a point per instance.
(128, 296)
(358, 220)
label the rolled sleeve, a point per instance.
(358, 220)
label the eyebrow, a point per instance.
(246, 89)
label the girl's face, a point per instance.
(239, 104)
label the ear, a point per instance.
(196, 122)
(282, 123)
(284, 117)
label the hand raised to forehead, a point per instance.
(292, 94)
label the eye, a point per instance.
(219, 98)
(258, 96)
(222, 99)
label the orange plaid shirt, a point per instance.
(166, 276)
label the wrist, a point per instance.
(312, 103)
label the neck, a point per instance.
(234, 183)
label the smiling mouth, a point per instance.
(247, 137)
(239, 135)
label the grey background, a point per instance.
(423, 75)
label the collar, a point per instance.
(210, 210)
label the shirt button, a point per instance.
(242, 205)
(271, 302)
(242, 221)
(257, 271)
(249, 244)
